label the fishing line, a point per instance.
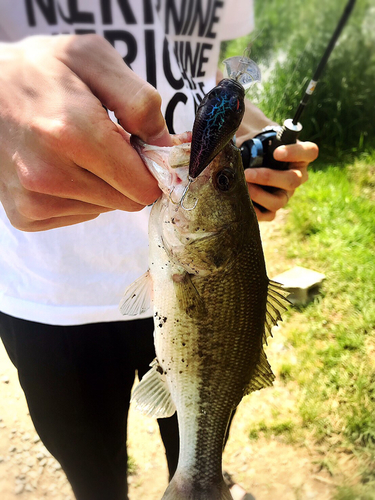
(258, 152)
(287, 86)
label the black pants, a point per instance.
(77, 382)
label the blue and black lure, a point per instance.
(217, 119)
(220, 113)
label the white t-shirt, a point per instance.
(77, 274)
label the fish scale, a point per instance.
(213, 308)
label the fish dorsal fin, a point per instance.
(137, 296)
(262, 376)
(277, 303)
(152, 396)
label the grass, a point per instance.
(331, 229)
(271, 429)
(132, 466)
(288, 42)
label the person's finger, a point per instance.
(53, 222)
(301, 170)
(56, 177)
(282, 179)
(38, 207)
(88, 160)
(264, 215)
(270, 201)
(134, 101)
(28, 217)
(299, 152)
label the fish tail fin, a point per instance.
(180, 489)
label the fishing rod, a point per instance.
(258, 152)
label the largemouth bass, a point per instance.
(213, 309)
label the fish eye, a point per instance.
(225, 179)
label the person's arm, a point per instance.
(299, 156)
(62, 160)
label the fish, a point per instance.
(217, 119)
(213, 308)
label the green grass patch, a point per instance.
(329, 357)
(132, 466)
(354, 493)
(331, 229)
(270, 429)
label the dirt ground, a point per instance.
(267, 469)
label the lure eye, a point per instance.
(235, 105)
(225, 179)
(239, 107)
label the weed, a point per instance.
(132, 466)
(353, 493)
(285, 371)
(271, 429)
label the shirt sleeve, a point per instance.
(238, 19)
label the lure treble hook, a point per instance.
(181, 202)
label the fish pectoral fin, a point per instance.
(216, 250)
(277, 303)
(152, 396)
(188, 297)
(262, 376)
(137, 296)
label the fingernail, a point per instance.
(280, 153)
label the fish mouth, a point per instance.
(168, 164)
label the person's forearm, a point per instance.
(253, 123)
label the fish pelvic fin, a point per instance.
(152, 396)
(137, 296)
(277, 303)
(184, 489)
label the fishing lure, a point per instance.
(218, 117)
(220, 113)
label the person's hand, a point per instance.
(286, 181)
(62, 160)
